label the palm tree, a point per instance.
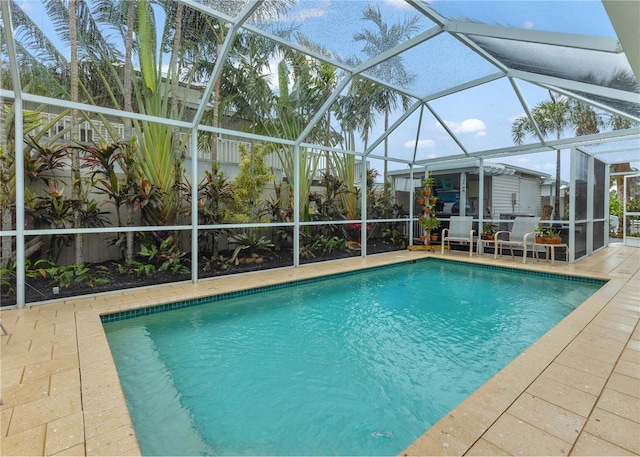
(552, 116)
(383, 98)
(203, 39)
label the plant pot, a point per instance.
(422, 237)
(433, 200)
(426, 192)
(554, 240)
(540, 240)
(490, 237)
(421, 201)
(434, 237)
(427, 210)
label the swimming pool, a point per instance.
(356, 364)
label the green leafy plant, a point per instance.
(488, 228)
(394, 236)
(327, 245)
(65, 276)
(7, 278)
(251, 243)
(428, 181)
(167, 254)
(429, 223)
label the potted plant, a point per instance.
(427, 184)
(429, 223)
(545, 235)
(539, 234)
(488, 231)
(552, 237)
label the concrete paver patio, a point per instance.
(576, 391)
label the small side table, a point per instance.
(550, 251)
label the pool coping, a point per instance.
(145, 310)
(95, 409)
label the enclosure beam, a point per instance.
(5, 7)
(296, 206)
(363, 209)
(194, 206)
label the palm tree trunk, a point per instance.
(76, 186)
(128, 106)
(5, 190)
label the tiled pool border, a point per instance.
(145, 311)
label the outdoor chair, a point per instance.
(520, 235)
(459, 230)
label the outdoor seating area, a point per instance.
(460, 231)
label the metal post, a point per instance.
(296, 206)
(194, 205)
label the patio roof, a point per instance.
(468, 69)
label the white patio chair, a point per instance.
(459, 230)
(520, 235)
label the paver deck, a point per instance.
(576, 391)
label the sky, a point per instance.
(481, 117)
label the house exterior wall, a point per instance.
(515, 195)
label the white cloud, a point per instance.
(422, 144)
(399, 3)
(528, 25)
(468, 126)
(307, 13)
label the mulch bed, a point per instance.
(41, 289)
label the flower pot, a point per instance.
(427, 192)
(540, 240)
(421, 201)
(433, 200)
(422, 237)
(434, 237)
(554, 240)
(490, 237)
(427, 210)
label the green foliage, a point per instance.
(327, 245)
(167, 254)
(220, 263)
(547, 232)
(488, 228)
(64, 276)
(214, 193)
(330, 206)
(380, 203)
(252, 242)
(428, 223)
(7, 277)
(616, 205)
(633, 205)
(246, 205)
(394, 236)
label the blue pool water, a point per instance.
(359, 364)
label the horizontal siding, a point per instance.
(502, 188)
